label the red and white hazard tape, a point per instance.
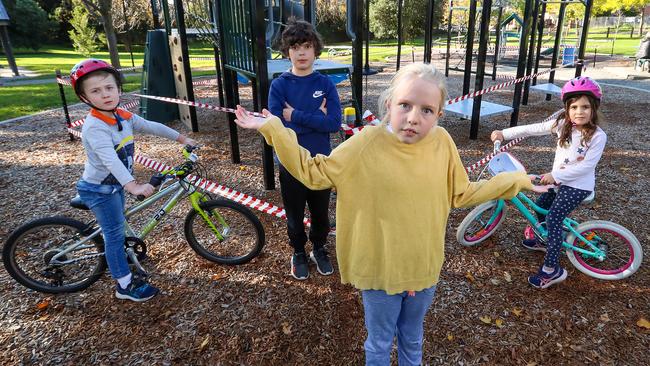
(199, 58)
(194, 104)
(507, 146)
(205, 82)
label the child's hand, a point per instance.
(248, 121)
(182, 139)
(286, 112)
(136, 189)
(496, 135)
(542, 189)
(547, 179)
(322, 107)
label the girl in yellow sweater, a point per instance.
(395, 185)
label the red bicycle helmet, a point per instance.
(582, 85)
(86, 67)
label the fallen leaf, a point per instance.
(205, 342)
(44, 317)
(507, 276)
(241, 167)
(495, 281)
(643, 323)
(486, 319)
(496, 254)
(604, 317)
(217, 276)
(469, 276)
(517, 311)
(499, 323)
(450, 337)
(43, 304)
(286, 328)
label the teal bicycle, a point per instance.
(598, 248)
(61, 254)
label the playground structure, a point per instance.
(529, 50)
(4, 38)
(243, 31)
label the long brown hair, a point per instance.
(588, 130)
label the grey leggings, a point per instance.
(560, 205)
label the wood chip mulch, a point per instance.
(257, 314)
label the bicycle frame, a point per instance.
(524, 205)
(177, 190)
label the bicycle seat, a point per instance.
(76, 202)
(590, 198)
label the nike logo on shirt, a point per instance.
(318, 93)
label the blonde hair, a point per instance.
(427, 72)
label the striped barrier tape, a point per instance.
(507, 146)
(194, 104)
(205, 82)
(201, 58)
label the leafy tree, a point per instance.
(100, 10)
(30, 26)
(83, 35)
(383, 17)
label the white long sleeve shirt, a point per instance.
(575, 164)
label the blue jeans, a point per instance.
(400, 315)
(107, 203)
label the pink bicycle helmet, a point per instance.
(86, 67)
(580, 86)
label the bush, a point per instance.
(29, 25)
(383, 18)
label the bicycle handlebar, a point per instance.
(180, 170)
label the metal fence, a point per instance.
(603, 22)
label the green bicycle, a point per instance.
(598, 248)
(61, 254)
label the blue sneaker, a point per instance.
(544, 280)
(299, 266)
(138, 290)
(323, 264)
(533, 244)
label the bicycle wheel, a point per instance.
(239, 235)
(476, 226)
(29, 252)
(623, 252)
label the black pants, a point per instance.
(294, 196)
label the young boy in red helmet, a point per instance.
(108, 143)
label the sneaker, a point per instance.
(138, 290)
(544, 280)
(323, 264)
(533, 244)
(299, 266)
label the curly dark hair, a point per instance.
(588, 129)
(299, 32)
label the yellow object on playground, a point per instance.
(349, 115)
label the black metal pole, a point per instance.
(471, 28)
(307, 11)
(399, 33)
(168, 21)
(6, 45)
(583, 37)
(185, 53)
(484, 34)
(354, 29)
(448, 55)
(497, 43)
(217, 62)
(531, 52)
(540, 35)
(428, 33)
(556, 45)
(154, 13)
(366, 35)
(521, 63)
(68, 122)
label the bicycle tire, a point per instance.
(473, 230)
(614, 239)
(244, 235)
(23, 244)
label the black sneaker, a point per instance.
(533, 244)
(323, 264)
(299, 266)
(138, 290)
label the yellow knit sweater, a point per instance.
(393, 201)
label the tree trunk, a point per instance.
(109, 30)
